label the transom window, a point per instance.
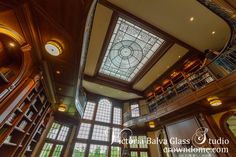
(104, 111)
(129, 49)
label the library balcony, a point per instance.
(181, 90)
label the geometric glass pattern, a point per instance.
(101, 133)
(133, 142)
(53, 131)
(134, 110)
(115, 151)
(129, 49)
(104, 111)
(117, 116)
(134, 154)
(143, 154)
(97, 151)
(88, 113)
(142, 142)
(116, 135)
(63, 133)
(79, 150)
(84, 131)
(55, 141)
(46, 150)
(57, 150)
(231, 123)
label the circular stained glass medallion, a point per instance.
(126, 54)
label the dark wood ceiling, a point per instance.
(60, 20)
(63, 21)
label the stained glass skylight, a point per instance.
(129, 49)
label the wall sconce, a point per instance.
(53, 48)
(214, 101)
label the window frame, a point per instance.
(161, 50)
(93, 122)
(56, 142)
(138, 149)
(139, 113)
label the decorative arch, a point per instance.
(105, 101)
(104, 111)
(24, 69)
(13, 34)
(225, 126)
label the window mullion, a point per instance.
(58, 132)
(52, 150)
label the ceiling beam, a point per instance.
(143, 22)
(112, 83)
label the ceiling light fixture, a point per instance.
(62, 108)
(213, 32)
(214, 101)
(191, 19)
(53, 48)
(11, 44)
(151, 124)
(58, 72)
(59, 89)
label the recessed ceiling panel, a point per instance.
(129, 49)
(167, 61)
(173, 17)
(108, 91)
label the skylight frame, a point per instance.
(149, 59)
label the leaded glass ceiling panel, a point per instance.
(129, 49)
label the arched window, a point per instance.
(104, 111)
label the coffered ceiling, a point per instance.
(171, 20)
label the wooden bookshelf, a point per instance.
(26, 120)
(190, 77)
